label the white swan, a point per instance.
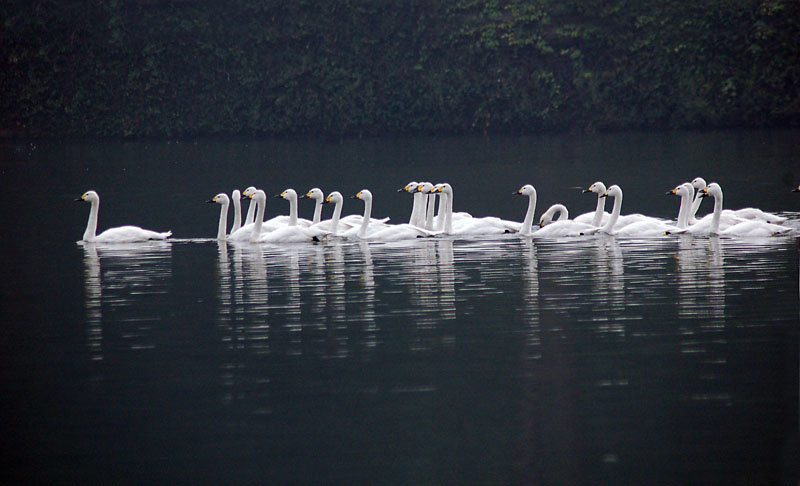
(527, 222)
(282, 220)
(598, 216)
(444, 201)
(318, 196)
(685, 191)
(645, 226)
(379, 232)
(753, 228)
(426, 215)
(419, 203)
(555, 210)
(286, 234)
(473, 226)
(251, 208)
(563, 226)
(121, 234)
(731, 217)
(222, 199)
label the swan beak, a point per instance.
(541, 224)
(605, 194)
(276, 195)
(586, 190)
(402, 189)
(670, 192)
(212, 200)
(79, 199)
(796, 189)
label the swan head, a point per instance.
(364, 195)
(445, 188)
(288, 194)
(258, 195)
(334, 197)
(89, 196)
(220, 198)
(410, 187)
(712, 189)
(613, 191)
(236, 194)
(315, 194)
(526, 190)
(683, 190)
(698, 183)
(425, 187)
(597, 188)
(249, 192)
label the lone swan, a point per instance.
(121, 234)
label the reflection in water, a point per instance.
(463, 344)
(123, 283)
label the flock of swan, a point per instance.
(428, 220)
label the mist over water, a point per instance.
(444, 360)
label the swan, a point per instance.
(527, 223)
(644, 226)
(426, 214)
(121, 234)
(442, 212)
(291, 220)
(251, 208)
(755, 228)
(236, 196)
(338, 224)
(548, 216)
(418, 205)
(317, 195)
(380, 232)
(598, 216)
(473, 226)
(729, 216)
(285, 234)
(222, 199)
(563, 226)
(686, 193)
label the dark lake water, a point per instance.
(492, 360)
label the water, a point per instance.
(443, 361)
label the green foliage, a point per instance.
(194, 67)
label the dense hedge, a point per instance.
(190, 67)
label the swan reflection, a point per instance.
(123, 283)
(701, 278)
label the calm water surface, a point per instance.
(438, 361)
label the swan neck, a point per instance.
(609, 226)
(527, 223)
(429, 213)
(223, 222)
(251, 212)
(695, 205)
(362, 232)
(442, 213)
(237, 214)
(91, 225)
(599, 210)
(317, 212)
(256, 233)
(337, 213)
(683, 212)
(562, 212)
(414, 219)
(717, 213)
(292, 211)
(448, 219)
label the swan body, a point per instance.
(121, 234)
(221, 199)
(750, 228)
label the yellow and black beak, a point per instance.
(587, 190)
(605, 194)
(796, 189)
(704, 192)
(212, 200)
